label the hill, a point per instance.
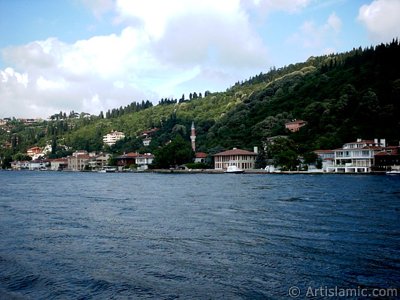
(340, 96)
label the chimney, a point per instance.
(358, 140)
(234, 148)
(376, 142)
(256, 149)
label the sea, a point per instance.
(66, 235)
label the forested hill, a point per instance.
(341, 97)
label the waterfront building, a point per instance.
(327, 158)
(242, 159)
(144, 160)
(58, 164)
(200, 157)
(78, 161)
(356, 157)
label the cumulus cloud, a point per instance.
(381, 19)
(159, 52)
(316, 37)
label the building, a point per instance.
(356, 157)
(387, 159)
(240, 158)
(193, 137)
(59, 164)
(20, 165)
(79, 161)
(39, 164)
(144, 160)
(34, 151)
(327, 158)
(98, 162)
(147, 134)
(200, 157)
(127, 159)
(295, 125)
(112, 137)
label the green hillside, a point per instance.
(341, 97)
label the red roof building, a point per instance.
(295, 125)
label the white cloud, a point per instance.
(381, 19)
(160, 52)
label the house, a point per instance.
(387, 159)
(146, 141)
(200, 157)
(327, 158)
(98, 162)
(147, 134)
(243, 159)
(356, 157)
(58, 164)
(39, 164)
(79, 161)
(112, 137)
(34, 151)
(295, 125)
(127, 159)
(20, 165)
(144, 160)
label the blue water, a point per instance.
(166, 236)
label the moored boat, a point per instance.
(234, 170)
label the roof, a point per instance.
(201, 155)
(146, 155)
(235, 152)
(128, 155)
(323, 151)
(296, 122)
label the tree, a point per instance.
(174, 154)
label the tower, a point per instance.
(193, 137)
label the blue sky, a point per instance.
(93, 55)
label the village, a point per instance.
(359, 157)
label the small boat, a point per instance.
(393, 172)
(107, 169)
(234, 170)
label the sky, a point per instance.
(94, 55)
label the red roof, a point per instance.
(323, 151)
(235, 152)
(129, 155)
(201, 155)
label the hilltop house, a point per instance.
(295, 125)
(356, 157)
(242, 159)
(112, 137)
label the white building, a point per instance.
(144, 160)
(356, 157)
(112, 137)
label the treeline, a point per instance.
(131, 108)
(341, 97)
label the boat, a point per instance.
(393, 172)
(234, 170)
(108, 169)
